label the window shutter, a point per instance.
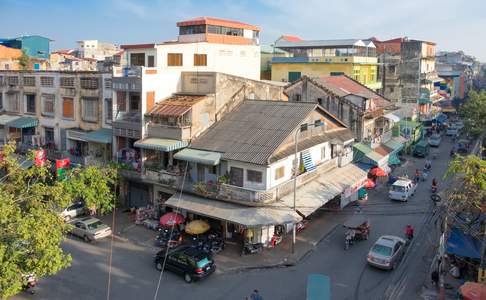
(150, 100)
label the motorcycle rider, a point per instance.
(417, 175)
(409, 231)
(434, 185)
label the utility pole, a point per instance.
(295, 187)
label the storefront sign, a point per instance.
(61, 167)
(353, 189)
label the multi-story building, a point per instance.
(409, 76)
(66, 60)
(459, 71)
(69, 113)
(9, 58)
(267, 53)
(95, 49)
(352, 57)
(34, 46)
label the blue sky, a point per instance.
(452, 24)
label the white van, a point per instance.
(402, 189)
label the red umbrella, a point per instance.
(369, 184)
(171, 219)
(378, 172)
(473, 291)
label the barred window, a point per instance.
(29, 80)
(90, 109)
(48, 104)
(13, 80)
(47, 81)
(67, 81)
(121, 100)
(89, 83)
(254, 176)
(13, 102)
(108, 83)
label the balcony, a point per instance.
(130, 71)
(181, 133)
(325, 59)
(127, 121)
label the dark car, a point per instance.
(463, 146)
(421, 149)
(192, 263)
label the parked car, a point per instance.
(452, 131)
(463, 146)
(402, 189)
(190, 262)
(435, 140)
(458, 124)
(421, 149)
(90, 229)
(386, 252)
(74, 210)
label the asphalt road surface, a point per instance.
(133, 275)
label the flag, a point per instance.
(40, 157)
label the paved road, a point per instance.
(134, 277)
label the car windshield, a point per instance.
(382, 250)
(203, 262)
(95, 225)
(435, 137)
(398, 188)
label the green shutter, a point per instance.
(293, 76)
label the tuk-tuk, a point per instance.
(318, 287)
(421, 149)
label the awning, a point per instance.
(199, 156)
(234, 213)
(392, 117)
(393, 159)
(318, 192)
(463, 245)
(376, 158)
(424, 101)
(4, 119)
(395, 145)
(102, 136)
(23, 122)
(77, 135)
(165, 145)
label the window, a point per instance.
(254, 176)
(212, 169)
(151, 61)
(30, 103)
(48, 104)
(47, 81)
(121, 101)
(279, 172)
(108, 83)
(134, 102)
(89, 83)
(13, 102)
(49, 134)
(193, 29)
(200, 60)
(108, 110)
(29, 80)
(323, 153)
(391, 89)
(90, 109)
(137, 59)
(68, 108)
(174, 59)
(67, 82)
(13, 80)
(293, 76)
(319, 100)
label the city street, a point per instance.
(133, 275)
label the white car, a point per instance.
(90, 229)
(74, 210)
(434, 140)
(452, 131)
(386, 252)
(402, 189)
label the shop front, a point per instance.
(99, 145)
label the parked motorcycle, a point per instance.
(30, 283)
(302, 225)
(168, 238)
(252, 248)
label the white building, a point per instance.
(96, 49)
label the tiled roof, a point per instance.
(343, 85)
(252, 131)
(217, 22)
(174, 106)
(291, 38)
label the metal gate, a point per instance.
(138, 195)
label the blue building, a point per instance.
(34, 45)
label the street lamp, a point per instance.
(303, 127)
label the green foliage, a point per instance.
(24, 61)
(471, 171)
(473, 112)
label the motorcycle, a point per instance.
(434, 189)
(168, 238)
(31, 282)
(302, 225)
(252, 248)
(356, 231)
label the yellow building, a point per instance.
(354, 58)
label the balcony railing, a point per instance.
(131, 71)
(169, 132)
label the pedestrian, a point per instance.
(417, 175)
(255, 295)
(435, 278)
(409, 231)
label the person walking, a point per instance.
(409, 231)
(255, 295)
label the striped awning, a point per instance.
(165, 145)
(4, 119)
(102, 136)
(23, 122)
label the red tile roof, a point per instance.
(137, 46)
(217, 22)
(349, 86)
(291, 38)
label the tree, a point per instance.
(24, 61)
(473, 112)
(31, 230)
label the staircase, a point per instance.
(307, 160)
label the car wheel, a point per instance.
(187, 278)
(158, 266)
(86, 239)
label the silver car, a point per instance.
(386, 252)
(74, 210)
(90, 229)
(434, 140)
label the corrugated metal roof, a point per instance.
(175, 105)
(253, 130)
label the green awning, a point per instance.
(395, 145)
(4, 119)
(393, 159)
(102, 136)
(165, 145)
(23, 122)
(375, 157)
(365, 149)
(199, 156)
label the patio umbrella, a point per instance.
(378, 172)
(171, 219)
(369, 184)
(197, 227)
(473, 291)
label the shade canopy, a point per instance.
(378, 172)
(369, 184)
(392, 117)
(197, 227)
(165, 145)
(171, 219)
(102, 136)
(4, 119)
(463, 245)
(23, 122)
(473, 291)
(199, 156)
